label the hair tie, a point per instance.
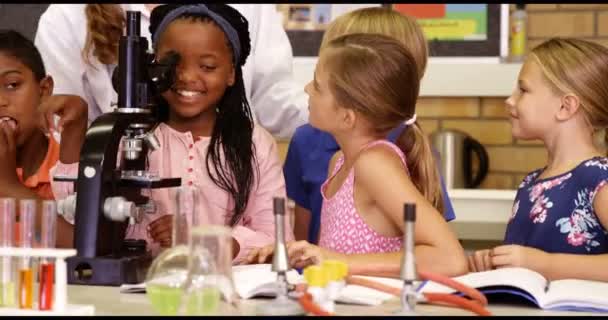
(411, 120)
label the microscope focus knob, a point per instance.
(151, 141)
(67, 208)
(119, 209)
(149, 207)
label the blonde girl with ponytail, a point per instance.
(310, 149)
(364, 86)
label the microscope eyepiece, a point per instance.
(133, 23)
(162, 72)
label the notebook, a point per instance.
(567, 294)
(259, 280)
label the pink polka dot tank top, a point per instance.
(342, 228)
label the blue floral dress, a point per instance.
(556, 214)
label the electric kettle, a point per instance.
(457, 149)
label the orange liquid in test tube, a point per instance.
(27, 212)
(26, 288)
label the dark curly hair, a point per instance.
(233, 129)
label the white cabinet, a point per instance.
(481, 214)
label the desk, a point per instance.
(109, 301)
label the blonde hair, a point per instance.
(579, 67)
(383, 21)
(377, 76)
(105, 23)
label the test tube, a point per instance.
(7, 224)
(27, 213)
(47, 265)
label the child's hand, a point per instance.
(302, 254)
(71, 109)
(480, 260)
(161, 230)
(72, 124)
(518, 256)
(8, 155)
(260, 255)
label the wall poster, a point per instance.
(451, 29)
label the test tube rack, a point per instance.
(60, 305)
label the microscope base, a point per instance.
(108, 271)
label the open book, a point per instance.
(259, 280)
(567, 294)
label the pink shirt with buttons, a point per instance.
(182, 155)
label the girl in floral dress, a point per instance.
(560, 214)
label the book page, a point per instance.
(573, 294)
(524, 279)
(249, 281)
(133, 288)
(259, 280)
(172, 278)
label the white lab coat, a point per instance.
(277, 100)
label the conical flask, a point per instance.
(209, 278)
(167, 274)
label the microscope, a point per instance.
(109, 196)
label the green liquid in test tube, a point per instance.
(7, 225)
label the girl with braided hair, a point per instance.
(207, 134)
(79, 46)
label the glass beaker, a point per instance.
(210, 272)
(168, 272)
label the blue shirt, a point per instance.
(556, 214)
(306, 168)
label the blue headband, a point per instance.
(232, 35)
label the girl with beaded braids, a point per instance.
(79, 45)
(207, 134)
